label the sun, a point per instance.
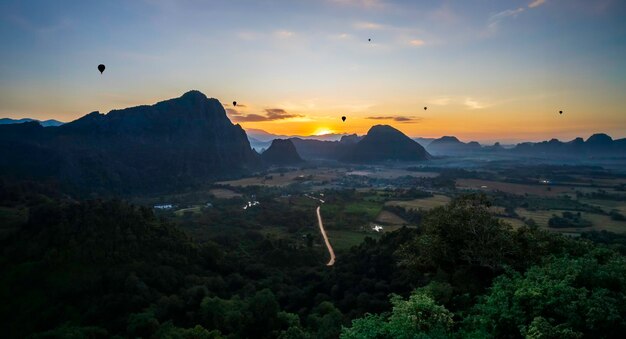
(322, 131)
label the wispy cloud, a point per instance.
(416, 42)
(271, 114)
(536, 3)
(397, 118)
(284, 34)
(369, 4)
(474, 104)
(494, 20)
(365, 25)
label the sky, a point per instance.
(487, 70)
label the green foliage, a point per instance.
(565, 296)
(417, 317)
(568, 219)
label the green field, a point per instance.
(193, 210)
(607, 205)
(423, 203)
(369, 208)
(342, 240)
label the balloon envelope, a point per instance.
(343, 118)
(425, 108)
(101, 68)
(234, 103)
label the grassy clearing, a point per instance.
(197, 209)
(516, 223)
(423, 203)
(222, 193)
(369, 208)
(386, 217)
(342, 240)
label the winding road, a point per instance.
(330, 248)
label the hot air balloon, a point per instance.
(560, 112)
(425, 108)
(101, 68)
(234, 103)
(343, 118)
(369, 40)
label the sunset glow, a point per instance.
(323, 131)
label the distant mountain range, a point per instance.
(44, 123)
(598, 145)
(261, 140)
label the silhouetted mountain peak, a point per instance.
(195, 95)
(384, 142)
(600, 138)
(447, 138)
(281, 152)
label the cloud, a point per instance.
(494, 20)
(360, 3)
(416, 42)
(271, 114)
(368, 25)
(473, 104)
(536, 3)
(398, 118)
(284, 34)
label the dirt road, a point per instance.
(330, 248)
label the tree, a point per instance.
(462, 233)
(565, 297)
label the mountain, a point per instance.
(260, 139)
(145, 148)
(450, 145)
(44, 123)
(350, 139)
(310, 149)
(383, 143)
(281, 152)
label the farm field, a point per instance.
(391, 173)
(600, 222)
(284, 179)
(423, 203)
(606, 205)
(488, 185)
